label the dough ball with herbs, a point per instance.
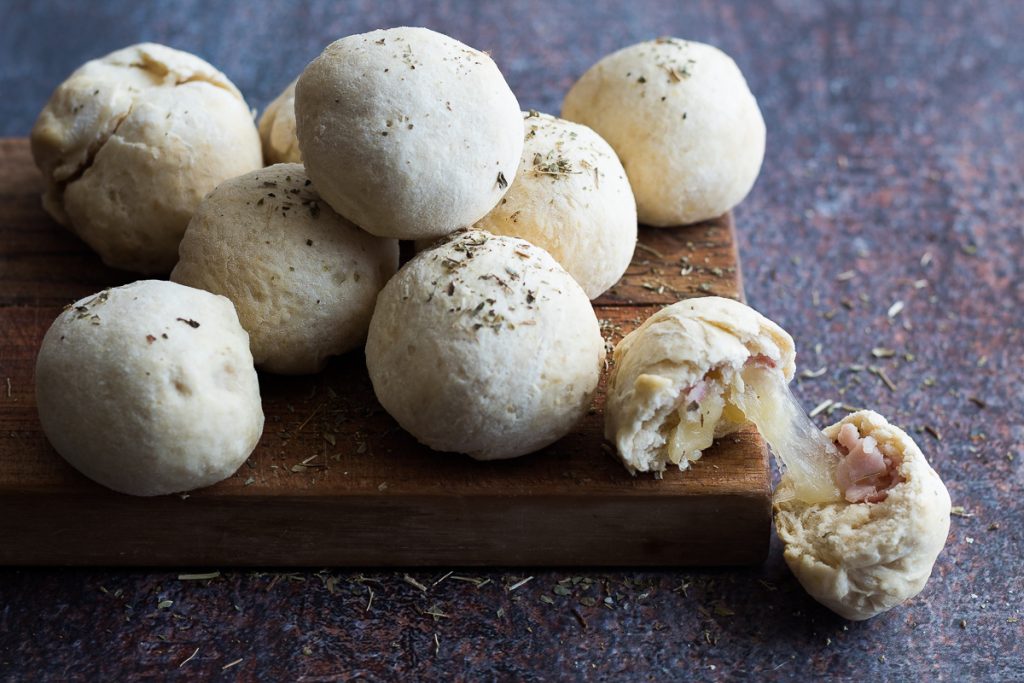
(131, 142)
(406, 132)
(277, 130)
(149, 388)
(570, 197)
(682, 120)
(484, 345)
(304, 279)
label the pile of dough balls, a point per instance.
(485, 343)
(153, 158)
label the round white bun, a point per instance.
(860, 559)
(484, 345)
(406, 132)
(570, 197)
(303, 279)
(682, 120)
(130, 143)
(149, 388)
(277, 130)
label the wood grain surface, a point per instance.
(335, 481)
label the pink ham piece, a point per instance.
(865, 473)
(695, 393)
(761, 359)
(692, 396)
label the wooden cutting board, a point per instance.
(335, 481)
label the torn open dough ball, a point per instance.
(406, 132)
(875, 548)
(130, 143)
(277, 130)
(149, 388)
(484, 345)
(679, 380)
(304, 279)
(570, 197)
(682, 120)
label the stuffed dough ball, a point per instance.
(682, 120)
(406, 132)
(484, 345)
(303, 279)
(679, 380)
(131, 142)
(149, 388)
(876, 547)
(277, 130)
(570, 196)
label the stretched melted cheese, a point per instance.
(808, 456)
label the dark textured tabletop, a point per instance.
(889, 215)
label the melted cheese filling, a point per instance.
(807, 455)
(697, 420)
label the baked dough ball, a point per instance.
(484, 345)
(406, 132)
(131, 142)
(570, 197)
(149, 388)
(682, 120)
(862, 558)
(303, 279)
(277, 129)
(678, 377)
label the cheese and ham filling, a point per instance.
(854, 469)
(700, 408)
(865, 473)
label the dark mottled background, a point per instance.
(895, 153)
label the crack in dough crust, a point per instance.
(131, 142)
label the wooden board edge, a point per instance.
(369, 531)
